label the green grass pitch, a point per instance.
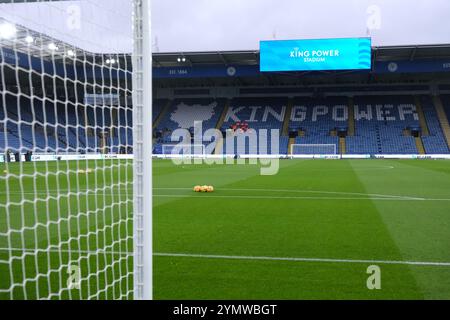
(309, 232)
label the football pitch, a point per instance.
(309, 232)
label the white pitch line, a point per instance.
(102, 191)
(232, 257)
(224, 257)
(363, 196)
(305, 191)
(373, 168)
(209, 196)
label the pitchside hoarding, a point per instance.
(315, 54)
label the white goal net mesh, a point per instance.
(66, 179)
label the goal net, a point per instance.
(71, 224)
(313, 149)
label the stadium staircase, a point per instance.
(351, 117)
(422, 119)
(219, 144)
(419, 145)
(287, 118)
(442, 118)
(223, 115)
(342, 145)
(291, 142)
(87, 121)
(162, 113)
(219, 147)
(114, 120)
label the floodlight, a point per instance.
(29, 39)
(53, 46)
(7, 31)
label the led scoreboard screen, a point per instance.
(315, 54)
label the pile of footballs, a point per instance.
(204, 189)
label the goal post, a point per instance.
(143, 124)
(313, 149)
(76, 150)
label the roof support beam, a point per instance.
(413, 54)
(221, 56)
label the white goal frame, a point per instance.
(142, 145)
(181, 146)
(75, 223)
(313, 145)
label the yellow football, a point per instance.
(210, 189)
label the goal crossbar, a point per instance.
(184, 150)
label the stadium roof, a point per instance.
(383, 54)
(39, 44)
(390, 53)
(394, 53)
(35, 43)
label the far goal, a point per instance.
(313, 149)
(183, 150)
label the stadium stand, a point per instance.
(41, 125)
(383, 124)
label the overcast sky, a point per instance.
(212, 25)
